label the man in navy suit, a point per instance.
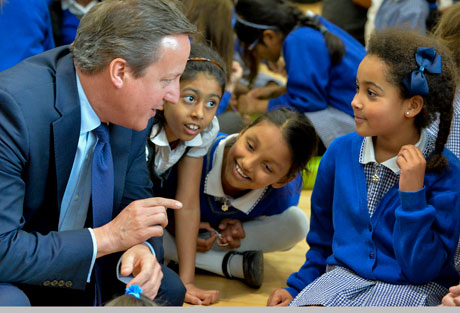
(126, 60)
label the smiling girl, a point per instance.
(250, 188)
(385, 208)
(178, 140)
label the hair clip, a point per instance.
(207, 60)
(429, 61)
(134, 290)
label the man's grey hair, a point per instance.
(127, 29)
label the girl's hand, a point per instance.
(453, 297)
(202, 244)
(197, 296)
(279, 297)
(235, 76)
(232, 232)
(412, 164)
(248, 104)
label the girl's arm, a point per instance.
(187, 222)
(427, 221)
(321, 231)
(307, 66)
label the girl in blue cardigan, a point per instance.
(250, 188)
(385, 208)
(320, 61)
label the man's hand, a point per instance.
(140, 262)
(453, 297)
(199, 296)
(232, 232)
(202, 244)
(139, 221)
(279, 297)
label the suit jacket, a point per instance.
(39, 131)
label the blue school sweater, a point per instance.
(312, 82)
(25, 30)
(274, 200)
(410, 238)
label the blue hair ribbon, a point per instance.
(429, 61)
(134, 290)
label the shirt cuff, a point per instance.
(93, 260)
(127, 279)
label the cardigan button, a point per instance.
(371, 255)
(370, 227)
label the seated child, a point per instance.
(178, 140)
(385, 208)
(250, 187)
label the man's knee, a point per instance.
(172, 290)
(10, 295)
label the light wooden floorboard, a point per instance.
(278, 267)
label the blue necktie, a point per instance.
(102, 186)
(102, 178)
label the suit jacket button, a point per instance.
(61, 283)
(46, 283)
(68, 284)
(54, 283)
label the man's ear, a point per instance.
(414, 106)
(283, 182)
(119, 72)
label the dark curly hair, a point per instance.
(397, 49)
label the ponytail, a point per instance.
(437, 162)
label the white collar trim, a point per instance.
(369, 154)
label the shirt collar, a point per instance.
(159, 138)
(213, 185)
(369, 155)
(89, 118)
(77, 9)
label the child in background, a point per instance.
(249, 192)
(385, 208)
(180, 138)
(320, 60)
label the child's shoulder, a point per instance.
(349, 139)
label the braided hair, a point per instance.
(282, 16)
(397, 49)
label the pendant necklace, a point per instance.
(375, 177)
(224, 206)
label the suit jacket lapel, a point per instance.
(66, 130)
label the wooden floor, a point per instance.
(278, 266)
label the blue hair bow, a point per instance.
(134, 290)
(429, 61)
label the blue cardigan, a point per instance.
(312, 82)
(274, 201)
(410, 238)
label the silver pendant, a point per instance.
(375, 178)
